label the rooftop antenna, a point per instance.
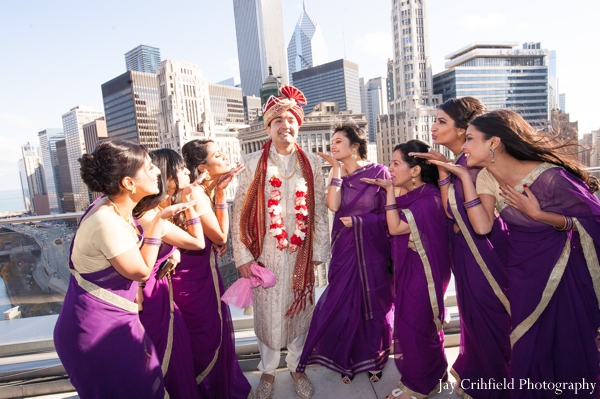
(344, 36)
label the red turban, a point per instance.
(291, 100)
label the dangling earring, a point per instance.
(492, 155)
(353, 154)
(207, 176)
(459, 135)
(133, 191)
(414, 182)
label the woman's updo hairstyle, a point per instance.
(463, 110)
(429, 172)
(356, 136)
(195, 153)
(112, 160)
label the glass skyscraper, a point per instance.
(500, 75)
(143, 59)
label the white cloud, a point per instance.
(479, 22)
(376, 43)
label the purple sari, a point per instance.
(164, 324)
(482, 298)
(197, 290)
(350, 331)
(421, 279)
(554, 285)
(100, 340)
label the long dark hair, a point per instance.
(429, 172)
(168, 162)
(194, 153)
(113, 159)
(521, 141)
(463, 110)
(355, 134)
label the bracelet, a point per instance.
(472, 203)
(335, 183)
(444, 182)
(568, 224)
(192, 221)
(224, 206)
(152, 241)
(390, 207)
(142, 284)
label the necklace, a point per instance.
(123, 216)
(279, 170)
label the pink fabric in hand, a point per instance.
(240, 292)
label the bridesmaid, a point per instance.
(160, 316)
(479, 271)
(198, 285)
(545, 197)
(350, 331)
(98, 335)
(421, 258)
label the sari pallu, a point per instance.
(165, 325)
(100, 340)
(350, 330)
(482, 298)
(197, 290)
(554, 283)
(421, 279)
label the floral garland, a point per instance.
(277, 226)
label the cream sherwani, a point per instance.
(270, 305)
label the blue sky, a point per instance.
(56, 54)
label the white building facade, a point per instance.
(48, 139)
(73, 122)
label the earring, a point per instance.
(492, 155)
(133, 191)
(353, 154)
(459, 135)
(414, 182)
(207, 176)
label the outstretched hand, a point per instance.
(431, 155)
(451, 167)
(172, 210)
(226, 178)
(387, 184)
(186, 193)
(329, 158)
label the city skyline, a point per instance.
(58, 58)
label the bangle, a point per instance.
(152, 241)
(142, 284)
(444, 182)
(472, 203)
(568, 224)
(192, 221)
(335, 183)
(224, 206)
(390, 207)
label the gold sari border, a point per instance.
(104, 294)
(591, 257)
(551, 285)
(426, 266)
(420, 395)
(169, 348)
(213, 268)
(528, 179)
(475, 251)
(357, 225)
(458, 388)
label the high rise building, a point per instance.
(93, 132)
(226, 104)
(414, 106)
(132, 107)
(143, 59)
(336, 81)
(307, 46)
(185, 104)
(552, 82)
(252, 108)
(36, 182)
(24, 185)
(373, 96)
(48, 139)
(585, 154)
(260, 43)
(66, 188)
(390, 80)
(73, 122)
(562, 102)
(500, 75)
